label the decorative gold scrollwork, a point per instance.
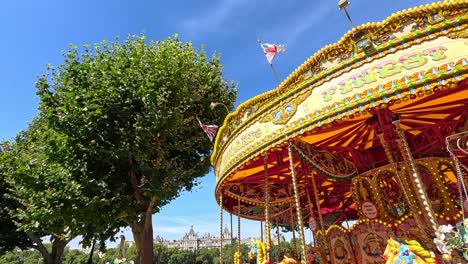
(285, 110)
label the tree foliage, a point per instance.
(50, 201)
(163, 255)
(10, 237)
(127, 113)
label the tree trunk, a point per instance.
(90, 258)
(146, 256)
(143, 235)
(143, 229)
(58, 246)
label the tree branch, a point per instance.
(136, 234)
(39, 246)
(136, 191)
(149, 212)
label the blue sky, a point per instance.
(35, 33)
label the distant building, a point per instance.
(273, 239)
(192, 241)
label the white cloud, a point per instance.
(213, 19)
(311, 16)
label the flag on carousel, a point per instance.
(271, 50)
(210, 130)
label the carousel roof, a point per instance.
(333, 112)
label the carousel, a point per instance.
(370, 130)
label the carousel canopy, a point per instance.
(336, 109)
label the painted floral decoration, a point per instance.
(449, 239)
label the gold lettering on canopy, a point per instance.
(244, 140)
(376, 78)
(384, 70)
(412, 60)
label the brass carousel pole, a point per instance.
(311, 208)
(278, 239)
(239, 232)
(298, 206)
(278, 234)
(319, 210)
(403, 188)
(416, 179)
(267, 208)
(261, 231)
(232, 239)
(221, 228)
(293, 230)
(461, 184)
(317, 202)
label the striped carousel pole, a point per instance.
(267, 208)
(420, 191)
(311, 208)
(319, 210)
(278, 239)
(239, 232)
(232, 239)
(399, 178)
(298, 206)
(261, 231)
(293, 229)
(278, 233)
(221, 228)
(317, 202)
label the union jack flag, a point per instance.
(210, 130)
(271, 50)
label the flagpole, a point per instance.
(342, 5)
(274, 73)
(271, 64)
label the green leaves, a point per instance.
(128, 109)
(136, 101)
(9, 236)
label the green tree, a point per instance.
(51, 202)
(109, 255)
(182, 256)
(207, 255)
(128, 113)
(21, 257)
(10, 237)
(75, 256)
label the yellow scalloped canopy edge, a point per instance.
(422, 9)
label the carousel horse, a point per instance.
(258, 250)
(312, 256)
(409, 252)
(237, 257)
